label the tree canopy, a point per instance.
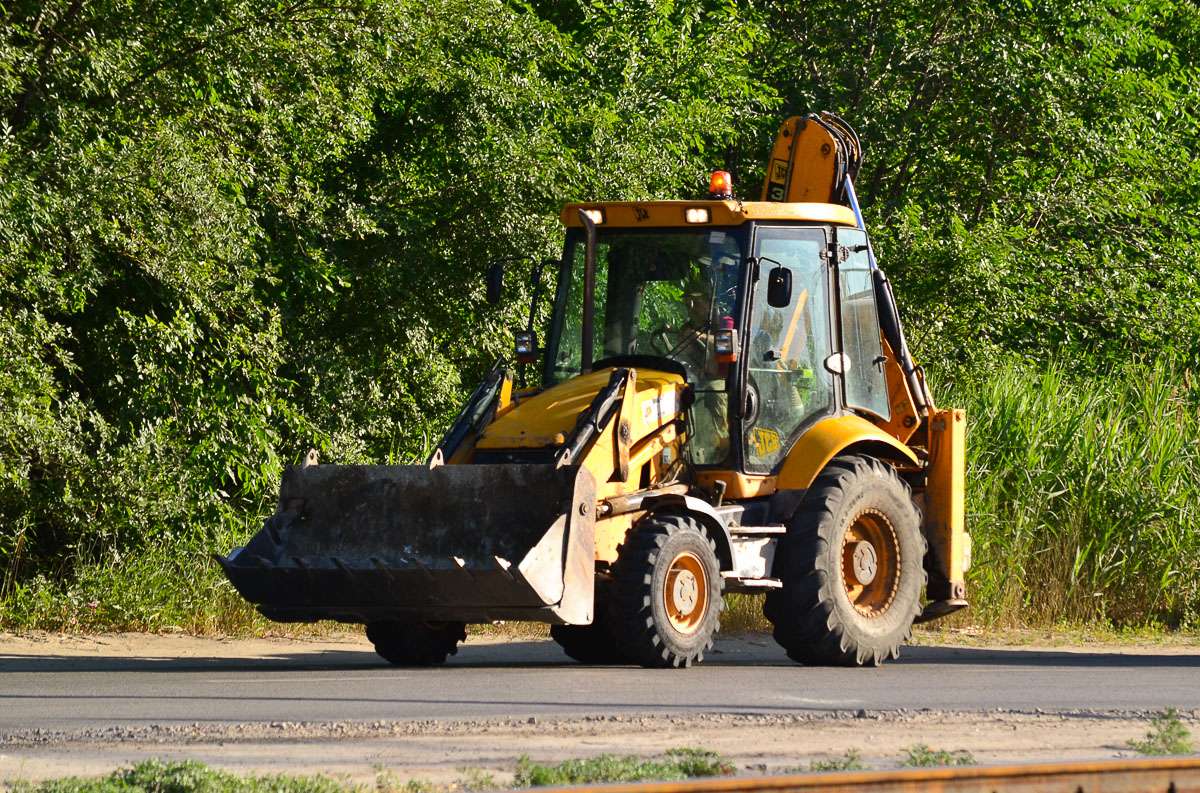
(234, 229)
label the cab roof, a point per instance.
(668, 214)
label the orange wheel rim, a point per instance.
(871, 563)
(685, 594)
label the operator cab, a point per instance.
(674, 295)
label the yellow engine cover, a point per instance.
(546, 419)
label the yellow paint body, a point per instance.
(949, 543)
(670, 214)
(828, 438)
(808, 457)
(803, 163)
(799, 187)
(543, 420)
(546, 419)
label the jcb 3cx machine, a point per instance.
(727, 404)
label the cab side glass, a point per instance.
(866, 382)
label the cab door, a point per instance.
(786, 385)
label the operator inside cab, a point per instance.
(660, 297)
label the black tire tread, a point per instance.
(806, 622)
(413, 643)
(630, 616)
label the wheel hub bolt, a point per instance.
(866, 562)
(684, 592)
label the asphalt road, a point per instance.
(533, 678)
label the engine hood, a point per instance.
(546, 419)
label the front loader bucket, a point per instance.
(473, 543)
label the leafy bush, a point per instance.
(230, 232)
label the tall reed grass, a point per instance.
(1083, 496)
(171, 585)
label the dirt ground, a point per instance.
(448, 752)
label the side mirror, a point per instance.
(779, 287)
(495, 282)
(526, 346)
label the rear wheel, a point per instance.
(852, 567)
(666, 592)
(413, 643)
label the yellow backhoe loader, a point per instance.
(727, 404)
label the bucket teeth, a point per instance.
(502, 565)
(461, 564)
(415, 562)
(383, 570)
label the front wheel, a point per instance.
(666, 592)
(852, 567)
(413, 643)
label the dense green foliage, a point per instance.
(235, 230)
(231, 230)
(1031, 172)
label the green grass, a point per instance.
(850, 761)
(1083, 501)
(171, 585)
(1167, 735)
(743, 612)
(921, 756)
(679, 764)
(155, 776)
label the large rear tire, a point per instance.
(666, 592)
(852, 567)
(413, 643)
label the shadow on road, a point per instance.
(739, 651)
(1048, 658)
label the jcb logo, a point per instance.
(777, 191)
(763, 442)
